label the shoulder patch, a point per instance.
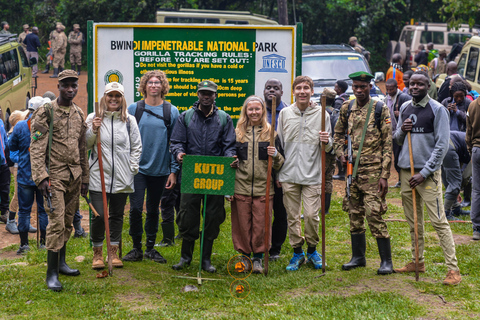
(388, 120)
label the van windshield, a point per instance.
(332, 66)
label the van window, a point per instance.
(235, 22)
(436, 37)
(472, 64)
(23, 56)
(190, 20)
(407, 37)
(457, 37)
(9, 62)
(461, 64)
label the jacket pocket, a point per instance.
(242, 150)
(262, 150)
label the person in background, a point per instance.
(421, 56)
(32, 43)
(406, 78)
(457, 105)
(438, 65)
(5, 27)
(22, 36)
(395, 70)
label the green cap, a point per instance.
(361, 76)
(207, 85)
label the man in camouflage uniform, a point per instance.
(59, 48)
(64, 174)
(369, 186)
(22, 36)
(75, 38)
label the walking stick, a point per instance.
(38, 230)
(414, 199)
(104, 196)
(269, 179)
(324, 159)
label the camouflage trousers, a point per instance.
(75, 57)
(65, 200)
(365, 202)
(330, 170)
(59, 58)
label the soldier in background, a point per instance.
(75, 39)
(369, 187)
(59, 48)
(23, 35)
(5, 27)
(68, 173)
(353, 42)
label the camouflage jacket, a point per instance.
(59, 41)
(377, 147)
(69, 146)
(75, 40)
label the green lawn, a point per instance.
(149, 290)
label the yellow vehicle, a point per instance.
(15, 77)
(468, 64)
(213, 16)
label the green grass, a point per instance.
(149, 290)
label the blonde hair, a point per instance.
(243, 121)
(16, 116)
(103, 107)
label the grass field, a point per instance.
(149, 290)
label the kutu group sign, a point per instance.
(239, 59)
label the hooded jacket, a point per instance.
(121, 151)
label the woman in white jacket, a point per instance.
(121, 150)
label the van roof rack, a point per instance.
(7, 38)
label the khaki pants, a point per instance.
(75, 57)
(293, 194)
(59, 58)
(430, 193)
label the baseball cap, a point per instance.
(67, 74)
(36, 102)
(114, 86)
(207, 85)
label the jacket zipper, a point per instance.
(253, 157)
(113, 160)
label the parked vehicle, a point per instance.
(212, 16)
(439, 34)
(15, 77)
(328, 63)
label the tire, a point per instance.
(390, 50)
(402, 49)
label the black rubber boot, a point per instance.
(47, 68)
(63, 267)
(79, 69)
(60, 69)
(186, 255)
(384, 249)
(341, 172)
(328, 198)
(55, 73)
(206, 256)
(467, 194)
(358, 252)
(52, 271)
(168, 234)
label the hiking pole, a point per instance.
(414, 199)
(324, 159)
(38, 231)
(269, 179)
(104, 196)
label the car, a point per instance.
(328, 63)
(15, 77)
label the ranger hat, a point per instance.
(76, 25)
(26, 26)
(114, 86)
(329, 93)
(65, 74)
(207, 85)
(361, 76)
(443, 51)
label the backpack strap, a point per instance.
(222, 116)
(378, 114)
(167, 115)
(188, 116)
(139, 111)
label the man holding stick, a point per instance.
(428, 123)
(300, 135)
(367, 122)
(58, 154)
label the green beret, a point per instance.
(361, 76)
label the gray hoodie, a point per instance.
(430, 135)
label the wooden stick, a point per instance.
(104, 195)
(324, 159)
(428, 221)
(269, 181)
(414, 199)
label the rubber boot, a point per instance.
(385, 251)
(358, 252)
(63, 267)
(60, 69)
(55, 73)
(467, 195)
(341, 172)
(328, 198)
(52, 271)
(206, 256)
(168, 235)
(186, 255)
(79, 69)
(47, 68)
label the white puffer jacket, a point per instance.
(121, 152)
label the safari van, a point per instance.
(15, 77)
(212, 16)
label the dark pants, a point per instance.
(116, 207)
(396, 154)
(451, 177)
(170, 203)
(188, 219)
(154, 187)
(4, 188)
(26, 196)
(475, 212)
(279, 226)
